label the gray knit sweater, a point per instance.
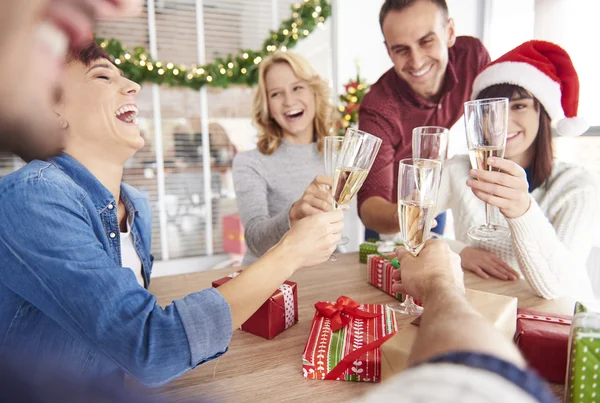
(266, 186)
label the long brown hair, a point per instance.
(270, 134)
(541, 166)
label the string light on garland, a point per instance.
(232, 69)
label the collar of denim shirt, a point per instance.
(100, 196)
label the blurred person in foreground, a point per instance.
(458, 355)
(35, 36)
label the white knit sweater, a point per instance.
(550, 243)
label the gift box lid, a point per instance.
(498, 309)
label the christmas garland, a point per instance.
(138, 66)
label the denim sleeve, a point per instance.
(51, 258)
(528, 381)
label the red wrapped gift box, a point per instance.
(379, 272)
(344, 341)
(233, 235)
(278, 313)
(544, 342)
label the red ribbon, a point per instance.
(340, 313)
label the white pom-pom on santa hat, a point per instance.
(571, 127)
(547, 72)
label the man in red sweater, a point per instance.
(432, 77)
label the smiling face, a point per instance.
(99, 107)
(291, 103)
(417, 40)
(523, 126)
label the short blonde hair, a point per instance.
(270, 134)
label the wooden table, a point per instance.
(259, 370)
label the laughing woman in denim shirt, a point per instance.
(75, 250)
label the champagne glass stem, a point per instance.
(488, 216)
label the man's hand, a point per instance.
(486, 264)
(317, 198)
(435, 268)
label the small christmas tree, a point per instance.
(355, 91)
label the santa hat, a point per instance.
(546, 71)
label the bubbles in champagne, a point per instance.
(479, 156)
(346, 183)
(415, 223)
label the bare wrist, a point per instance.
(441, 290)
(281, 256)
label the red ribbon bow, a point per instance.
(340, 313)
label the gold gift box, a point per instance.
(500, 310)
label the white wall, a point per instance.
(467, 15)
(507, 24)
(573, 24)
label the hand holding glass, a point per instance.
(418, 185)
(352, 165)
(486, 123)
(331, 149)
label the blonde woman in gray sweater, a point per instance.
(282, 181)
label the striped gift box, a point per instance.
(350, 353)
(379, 274)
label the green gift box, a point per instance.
(583, 375)
(371, 247)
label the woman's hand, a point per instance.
(508, 190)
(317, 198)
(312, 240)
(486, 264)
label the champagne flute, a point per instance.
(418, 186)
(354, 162)
(331, 148)
(430, 142)
(486, 123)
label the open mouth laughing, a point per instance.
(294, 114)
(127, 114)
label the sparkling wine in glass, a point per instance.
(430, 142)
(354, 162)
(418, 186)
(331, 148)
(486, 123)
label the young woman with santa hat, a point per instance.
(550, 207)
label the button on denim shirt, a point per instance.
(64, 293)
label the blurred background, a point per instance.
(192, 136)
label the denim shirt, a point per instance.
(64, 293)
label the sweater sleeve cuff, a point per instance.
(206, 318)
(523, 225)
(455, 246)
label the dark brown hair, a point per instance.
(541, 167)
(87, 55)
(397, 5)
